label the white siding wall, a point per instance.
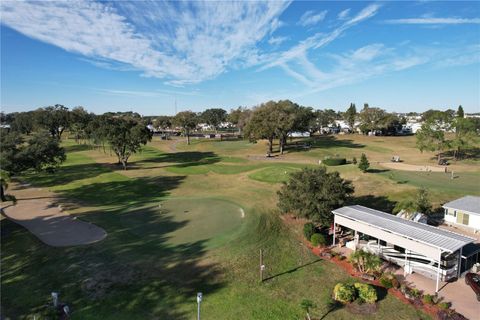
(474, 222)
(449, 218)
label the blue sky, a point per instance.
(145, 55)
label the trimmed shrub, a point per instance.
(428, 299)
(366, 292)
(344, 293)
(444, 305)
(318, 239)
(334, 161)
(308, 230)
(415, 293)
(386, 281)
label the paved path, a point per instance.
(38, 211)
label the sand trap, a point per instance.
(411, 167)
(38, 211)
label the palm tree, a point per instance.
(306, 306)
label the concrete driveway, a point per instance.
(461, 296)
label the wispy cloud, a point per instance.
(432, 20)
(275, 41)
(310, 18)
(317, 41)
(182, 42)
(343, 14)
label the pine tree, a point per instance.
(363, 164)
(460, 113)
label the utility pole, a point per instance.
(175, 104)
(262, 266)
(199, 300)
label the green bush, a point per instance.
(318, 239)
(388, 280)
(366, 292)
(365, 262)
(308, 230)
(344, 293)
(428, 299)
(334, 161)
(444, 305)
(354, 160)
(415, 293)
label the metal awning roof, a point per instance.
(429, 235)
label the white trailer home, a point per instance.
(463, 212)
(433, 252)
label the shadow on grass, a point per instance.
(381, 203)
(473, 153)
(292, 270)
(134, 273)
(327, 142)
(66, 174)
(78, 148)
(377, 170)
(136, 191)
(181, 159)
(381, 292)
(332, 306)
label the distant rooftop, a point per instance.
(467, 203)
(432, 236)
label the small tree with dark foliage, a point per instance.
(363, 164)
(313, 194)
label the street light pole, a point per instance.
(199, 300)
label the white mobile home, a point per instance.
(417, 247)
(464, 212)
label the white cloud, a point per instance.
(309, 18)
(317, 41)
(432, 20)
(343, 15)
(275, 41)
(182, 42)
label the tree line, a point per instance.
(32, 143)
(125, 132)
(448, 131)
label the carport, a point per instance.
(416, 238)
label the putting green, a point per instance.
(179, 221)
(275, 174)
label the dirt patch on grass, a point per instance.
(411, 167)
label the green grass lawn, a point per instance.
(439, 182)
(155, 259)
(273, 174)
